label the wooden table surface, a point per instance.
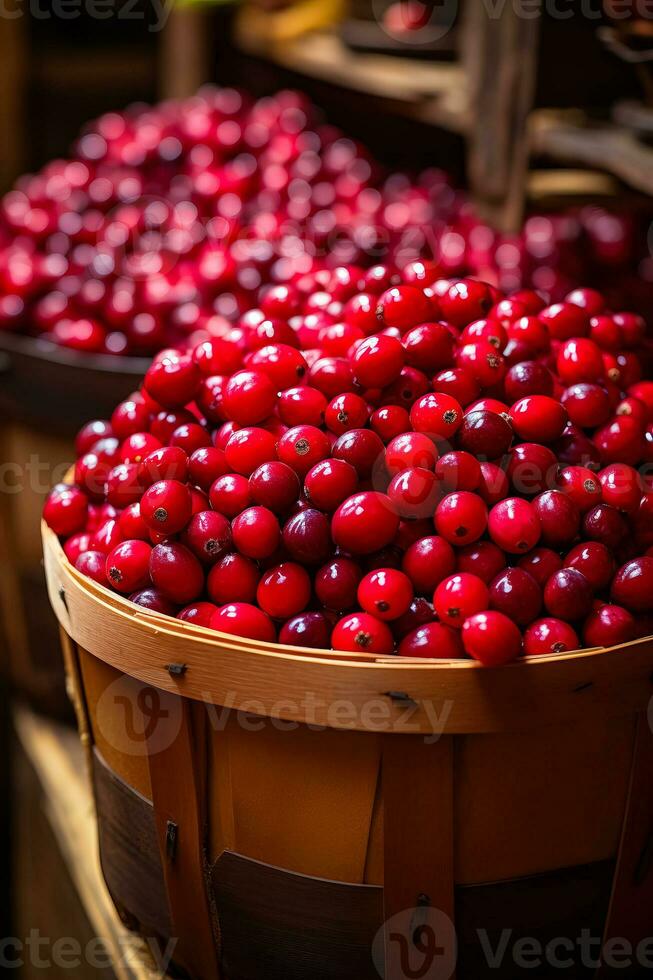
(51, 789)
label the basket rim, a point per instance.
(233, 671)
(41, 349)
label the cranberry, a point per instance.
(302, 406)
(483, 361)
(167, 463)
(308, 629)
(198, 613)
(632, 586)
(589, 300)
(432, 640)
(438, 415)
(608, 626)
(587, 405)
(528, 378)
(138, 445)
(459, 383)
(574, 448)
(189, 437)
(331, 376)
(485, 434)
(166, 506)
(306, 537)
(336, 584)
(386, 593)
(233, 578)
(80, 542)
(461, 517)
(90, 433)
(127, 566)
(581, 485)
(283, 364)
(579, 359)
(362, 633)
(377, 361)
(330, 482)
(403, 307)
(344, 412)
(130, 416)
(464, 301)
(274, 485)
(491, 638)
(123, 486)
(458, 470)
(565, 320)
(243, 619)
(429, 347)
(605, 524)
(538, 418)
(66, 510)
(249, 397)
(532, 468)
(459, 596)
(494, 485)
(172, 381)
(620, 441)
(482, 558)
(176, 572)
(107, 536)
(427, 561)
(362, 448)
(516, 594)
(256, 532)
(549, 635)
(389, 421)
(568, 595)
(230, 494)
(540, 563)
(365, 522)
(559, 518)
(419, 612)
(248, 448)
(93, 564)
(491, 331)
(414, 493)
(208, 535)
(155, 601)
(621, 487)
(594, 560)
(205, 466)
(514, 525)
(302, 447)
(284, 590)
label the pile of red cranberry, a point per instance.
(442, 472)
(169, 220)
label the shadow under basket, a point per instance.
(46, 394)
(286, 814)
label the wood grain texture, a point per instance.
(177, 763)
(302, 685)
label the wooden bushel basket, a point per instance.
(285, 814)
(46, 394)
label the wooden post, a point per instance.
(185, 59)
(500, 50)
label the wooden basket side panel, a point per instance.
(119, 720)
(300, 799)
(537, 801)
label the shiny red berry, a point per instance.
(385, 593)
(608, 626)
(458, 596)
(549, 635)
(365, 522)
(514, 525)
(233, 578)
(127, 566)
(243, 619)
(176, 572)
(432, 640)
(516, 594)
(166, 506)
(362, 633)
(284, 590)
(461, 517)
(256, 533)
(491, 638)
(568, 595)
(632, 586)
